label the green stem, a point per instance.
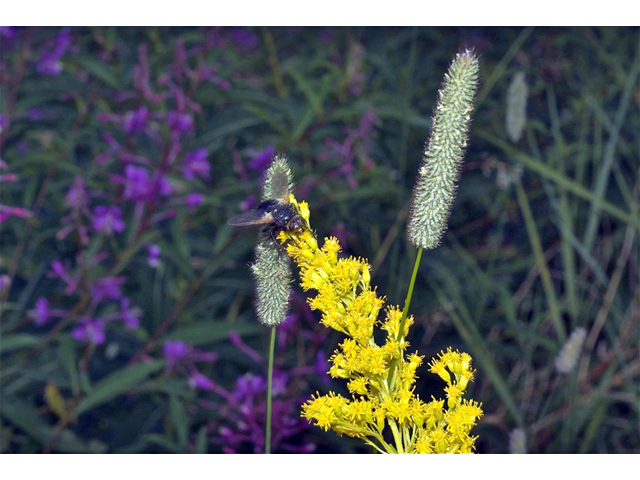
(405, 312)
(272, 347)
(392, 368)
(396, 436)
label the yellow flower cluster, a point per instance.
(383, 410)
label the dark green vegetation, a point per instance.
(543, 235)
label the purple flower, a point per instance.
(107, 288)
(260, 160)
(193, 200)
(6, 32)
(244, 38)
(130, 316)
(154, 255)
(89, 330)
(198, 380)
(49, 65)
(136, 185)
(136, 121)
(77, 195)
(174, 351)
(107, 219)
(162, 185)
(4, 281)
(139, 187)
(195, 163)
(180, 122)
(60, 272)
(41, 313)
(49, 62)
(249, 386)
(3, 122)
(321, 367)
(6, 212)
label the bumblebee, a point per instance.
(274, 215)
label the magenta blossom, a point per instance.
(198, 380)
(195, 163)
(192, 200)
(136, 121)
(136, 182)
(77, 196)
(260, 160)
(107, 220)
(180, 122)
(89, 330)
(60, 272)
(154, 255)
(130, 316)
(107, 288)
(40, 313)
(174, 351)
(49, 62)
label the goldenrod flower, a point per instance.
(380, 378)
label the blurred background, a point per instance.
(126, 303)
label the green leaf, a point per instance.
(98, 69)
(179, 418)
(117, 383)
(309, 91)
(18, 341)
(66, 355)
(201, 441)
(27, 418)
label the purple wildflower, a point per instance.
(180, 122)
(260, 160)
(41, 313)
(136, 121)
(6, 32)
(154, 255)
(193, 200)
(89, 330)
(130, 316)
(162, 185)
(5, 280)
(198, 380)
(174, 351)
(77, 196)
(136, 182)
(249, 386)
(107, 288)
(108, 219)
(60, 272)
(6, 212)
(49, 62)
(248, 203)
(195, 163)
(244, 38)
(321, 367)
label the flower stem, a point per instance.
(272, 345)
(394, 364)
(407, 301)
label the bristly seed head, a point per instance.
(272, 269)
(436, 185)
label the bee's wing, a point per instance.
(279, 184)
(253, 217)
